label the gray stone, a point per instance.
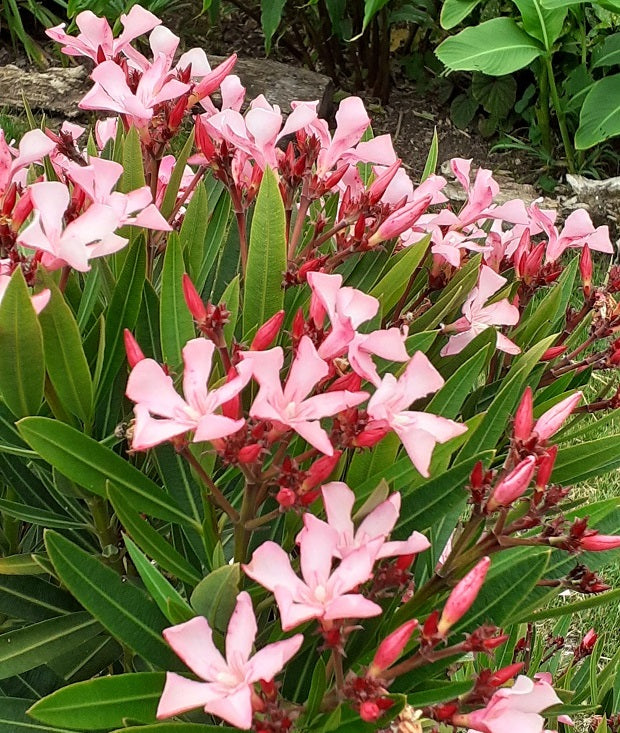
(58, 90)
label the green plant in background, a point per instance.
(347, 39)
(113, 9)
(565, 45)
(20, 17)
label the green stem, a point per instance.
(214, 491)
(559, 111)
(106, 535)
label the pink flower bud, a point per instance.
(585, 269)
(513, 486)
(22, 211)
(193, 300)
(212, 80)
(524, 418)
(399, 221)
(599, 542)
(463, 596)
(133, 351)
(553, 419)
(379, 186)
(370, 711)
(267, 332)
(369, 437)
(392, 647)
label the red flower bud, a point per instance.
(286, 498)
(351, 382)
(392, 647)
(476, 479)
(369, 437)
(370, 711)
(499, 678)
(320, 470)
(299, 325)
(267, 332)
(429, 630)
(463, 596)
(21, 211)
(545, 467)
(193, 300)
(553, 353)
(524, 417)
(379, 186)
(585, 269)
(403, 562)
(232, 408)
(133, 351)
(249, 453)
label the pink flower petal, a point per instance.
(181, 695)
(192, 641)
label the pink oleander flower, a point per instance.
(378, 524)
(97, 180)
(463, 595)
(324, 593)
(291, 406)
(418, 431)
(33, 147)
(161, 413)
(578, 230)
(96, 40)
(228, 684)
(515, 708)
(347, 309)
(90, 235)
(477, 316)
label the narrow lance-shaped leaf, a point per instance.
(175, 320)
(22, 361)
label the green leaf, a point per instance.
(371, 8)
(230, 297)
(600, 114)
(606, 53)
(454, 11)
(431, 159)
(175, 321)
(64, 355)
(28, 647)
(159, 588)
(172, 189)
(32, 599)
(123, 609)
(133, 168)
(443, 693)
(463, 109)
(22, 361)
(91, 465)
(571, 609)
(450, 398)
(542, 23)
(585, 460)
(20, 565)
(270, 17)
(38, 516)
(318, 686)
(402, 265)
(151, 542)
(497, 417)
(496, 94)
(102, 703)
(217, 231)
(263, 293)
(14, 718)
(194, 229)
(216, 595)
(122, 313)
(495, 47)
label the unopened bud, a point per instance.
(553, 353)
(369, 437)
(585, 270)
(370, 711)
(513, 486)
(463, 596)
(249, 453)
(321, 470)
(599, 542)
(499, 678)
(133, 351)
(545, 467)
(267, 332)
(193, 300)
(392, 647)
(21, 211)
(286, 498)
(524, 417)
(553, 419)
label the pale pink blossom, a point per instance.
(418, 431)
(387, 344)
(96, 40)
(228, 681)
(477, 316)
(105, 130)
(324, 593)
(98, 179)
(515, 708)
(90, 235)
(578, 230)
(378, 524)
(292, 406)
(161, 413)
(32, 148)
